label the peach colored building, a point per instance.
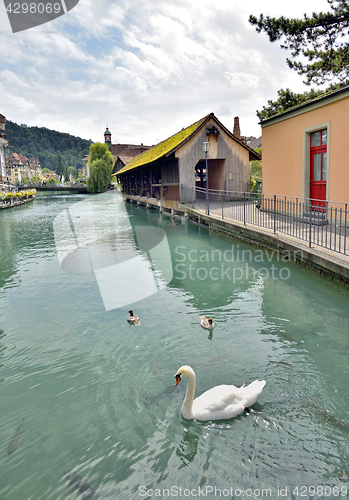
(305, 150)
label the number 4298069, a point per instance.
(320, 491)
(33, 8)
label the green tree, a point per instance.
(45, 144)
(322, 39)
(65, 173)
(255, 170)
(60, 166)
(288, 99)
(73, 171)
(101, 166)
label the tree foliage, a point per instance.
(288, 99)
(60, 167)
(47, 145)
(73, 171)
(255, 170)
(322, 39)
(101, 166)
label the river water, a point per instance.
(84, 393)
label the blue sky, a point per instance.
(146, 69)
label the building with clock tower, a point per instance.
(107, 138)
(122, 153)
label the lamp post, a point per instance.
(206, 149)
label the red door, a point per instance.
(318, 168)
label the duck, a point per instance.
(134, 320)
(206, 323)
(219, 403)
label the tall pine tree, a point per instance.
(60, 166)
(322, 39)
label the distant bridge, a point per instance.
(71, 189)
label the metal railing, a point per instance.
(318, 222)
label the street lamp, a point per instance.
(206, 149)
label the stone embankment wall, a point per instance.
(325, 262)
(14, 203)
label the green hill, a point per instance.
(45, 144)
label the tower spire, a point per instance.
(107, 137)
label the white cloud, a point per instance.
(242, 80)
(146, 69)
(10, 79)
(93, 19)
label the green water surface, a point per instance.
(97, 395)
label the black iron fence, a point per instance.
(318, 222)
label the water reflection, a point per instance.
(12, 446)
(310, 404)
(187, 449)
(79, 484)
(7, 250)
(129, 263)
(150, 399)
(98, 396)
(2, 348)
(213, 270)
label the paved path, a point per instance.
(331, 239)
(324, 260)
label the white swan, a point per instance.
(220, 402)
(206, 323)
(134, 320)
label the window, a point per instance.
(324, 136)
(315, 139)
(318, 148)
(318, 167)
(318, 138)
(324, 166)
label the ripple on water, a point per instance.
(97, 394)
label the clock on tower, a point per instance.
(107, 137)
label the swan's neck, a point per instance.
(187, 407)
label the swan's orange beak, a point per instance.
(178, 379)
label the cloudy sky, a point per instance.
(145, 68)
